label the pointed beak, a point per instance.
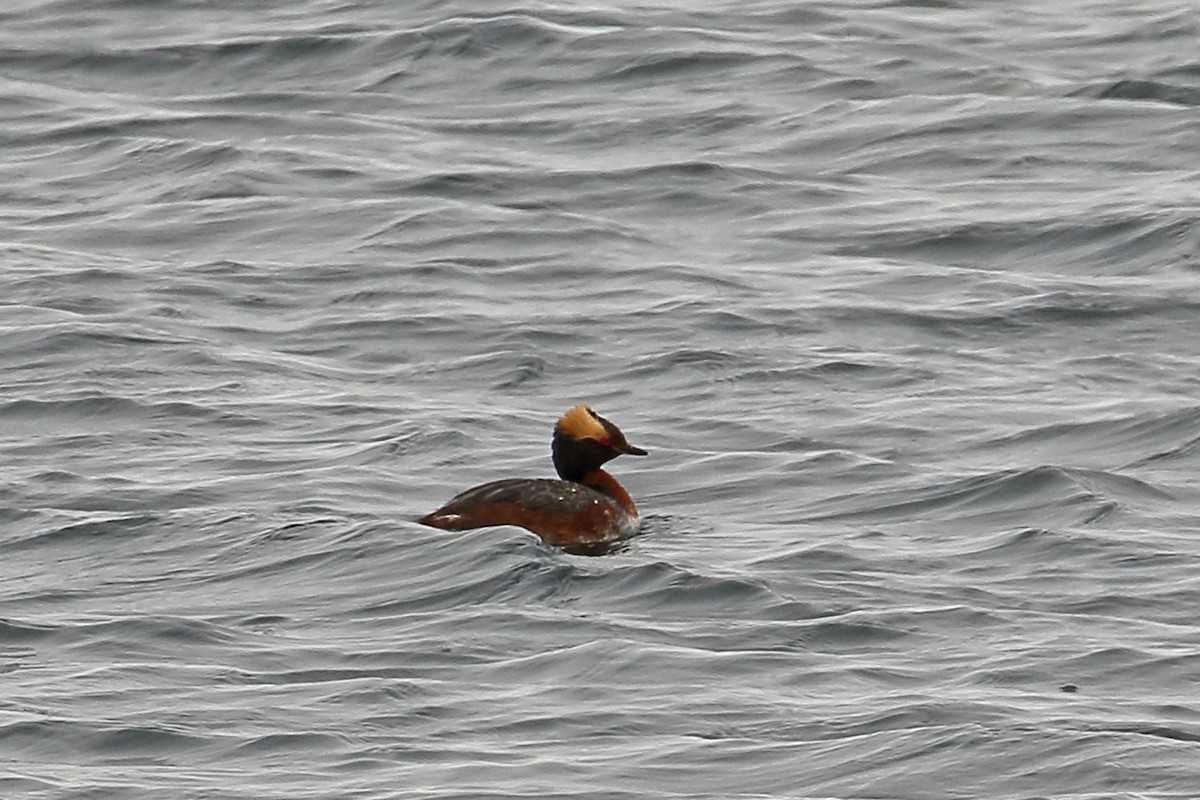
(630, 450)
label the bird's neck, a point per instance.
(606, 484)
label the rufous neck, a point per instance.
(606, 484)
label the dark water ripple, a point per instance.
(899, 297)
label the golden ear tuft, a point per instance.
(582, 423)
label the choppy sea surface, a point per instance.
(903, 298)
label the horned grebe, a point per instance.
(586, 507)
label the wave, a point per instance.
(1120, 244)
(1143, 90)
(1052, 494)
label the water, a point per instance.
(901, 297)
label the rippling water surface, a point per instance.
(902, 298)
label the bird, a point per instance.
(585, 506)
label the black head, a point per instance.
(584, 440)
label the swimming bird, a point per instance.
(586, 507)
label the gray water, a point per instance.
(902, 298)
